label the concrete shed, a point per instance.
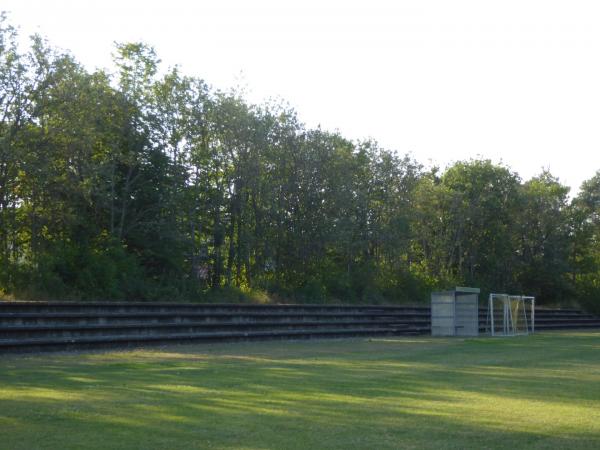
(455, 312)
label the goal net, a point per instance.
(510, 315)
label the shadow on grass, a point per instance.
(535, 392)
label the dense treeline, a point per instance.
(141, 185)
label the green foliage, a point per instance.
(585, 244)
(145, 184)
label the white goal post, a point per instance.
(510, 315)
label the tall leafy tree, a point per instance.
(585, 243)
(544, 239)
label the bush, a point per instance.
(588, 293)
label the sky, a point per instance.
(515, 81)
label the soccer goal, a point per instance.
(510, 315)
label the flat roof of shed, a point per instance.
(460, 290)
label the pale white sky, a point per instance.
(511, 80)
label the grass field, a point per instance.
(540, 391)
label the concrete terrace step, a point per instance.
(124, 340)
(546, 311)
(17, 332)
(545, 316)
(567, 325)
(7, 319)
(544, 320)
(48, 307)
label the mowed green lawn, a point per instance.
(540, 391)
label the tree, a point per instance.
(14, 83)
(544, 239)
(585, 243)
(467, 225)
